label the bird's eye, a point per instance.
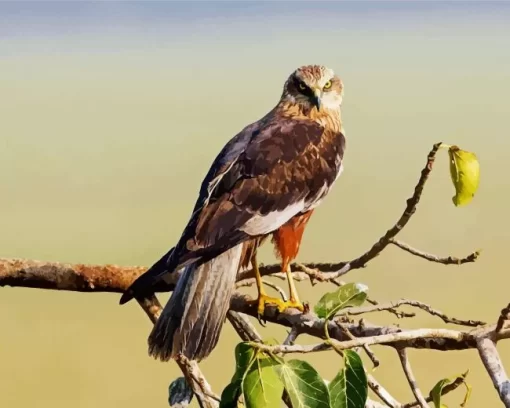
(327, 85)
(302, 86)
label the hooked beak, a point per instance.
(317, 95)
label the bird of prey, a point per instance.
(266, 181)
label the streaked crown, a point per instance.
(314, 86)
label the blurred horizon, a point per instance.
(112, 113)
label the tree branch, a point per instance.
(447, 260)
(382, 393)
(406, 366)
(243, 327)
(492, 362)
(82, 277)
(353, 311)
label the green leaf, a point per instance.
(465, 174)
(262, 386)
(245, 355)
(350, 294)
(437, 391)
(349, 389)
(305, 387)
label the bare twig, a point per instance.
(374, 404)
(447, 260)
(373, 358)
(197, 382)
(398, 313)
(414, 303)
(406, 366)
(397, 339)
(374, 302)
(504, 318)
(437, 339)
(492, 362)
(382, 393)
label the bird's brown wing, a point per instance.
(261, 179)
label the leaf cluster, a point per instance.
(263, 379)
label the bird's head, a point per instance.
(314, 86)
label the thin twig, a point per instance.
(374, 302)
(406, 366)
(382, 393)
(398, 313)
(447, 260)
(396, 339)
(368, 351)
(503, 319)
(414, 303)
(374, 404)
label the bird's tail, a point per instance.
(193, 317)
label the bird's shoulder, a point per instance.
(257, 148)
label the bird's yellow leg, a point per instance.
(263, 299)
(294, 299)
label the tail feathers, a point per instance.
(193, 317)
(145, 282)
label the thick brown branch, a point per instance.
(63, 276)
(89, 278)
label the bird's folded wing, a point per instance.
(262, 178)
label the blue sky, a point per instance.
(54, 18)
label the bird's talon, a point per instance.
(296, 305)
(261, 320)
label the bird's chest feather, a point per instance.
(329, 166)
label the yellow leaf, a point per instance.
(465, 173)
